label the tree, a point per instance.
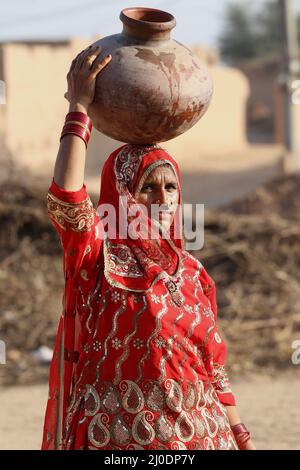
(248, 33)
(237, 40)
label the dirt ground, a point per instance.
(269, 406)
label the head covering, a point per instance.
(134, 264)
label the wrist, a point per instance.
(76, 106)
(77, 122)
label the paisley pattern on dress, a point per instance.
(121, 261)
(70, 216)
(150, 416)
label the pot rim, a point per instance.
(167, 25)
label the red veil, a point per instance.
(84, 246)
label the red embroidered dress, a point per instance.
(138, 361)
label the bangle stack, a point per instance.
(241, 434)
(77, 123)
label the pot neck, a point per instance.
(145, 35)
(147, 23)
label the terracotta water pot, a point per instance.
(154, 88)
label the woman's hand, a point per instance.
(82, 76)
(249, 445)
(234, 419)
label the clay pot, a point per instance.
(154, 88)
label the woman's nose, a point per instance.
(162, 197)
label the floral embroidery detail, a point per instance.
(155, 299)
(160, 342)
(116, 343)
(86, 348)
(220, 379)
(188, 308)
(138, 343)
(207, 312)
(78, 217)
(115, 296)
(96, 345)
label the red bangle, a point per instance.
(75, 133)
(239, 428)
(79, 116)
(78, 127)
(76, 130)
(79, 124)
(241, 434)
(242, 439)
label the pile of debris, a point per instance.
(252, 251)
(31, 281)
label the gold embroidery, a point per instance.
(132, 416)
(127, 340)
(78, 217)
(83, 274)
(168, 345)
(127, 163)
(220, 378)
(160, 314)
(121, 261)
(112, 333)
(187, 340)
(87, 249)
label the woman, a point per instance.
(138, 361)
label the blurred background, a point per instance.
(242, 160)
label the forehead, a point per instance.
(165, 172)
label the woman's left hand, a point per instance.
(82, 75)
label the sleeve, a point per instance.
(217, 349)
(78, 225)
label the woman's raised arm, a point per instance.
(70, 161)
(69, 206)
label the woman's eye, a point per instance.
(146, 188)
(171, 187)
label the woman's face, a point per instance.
(160, 188)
